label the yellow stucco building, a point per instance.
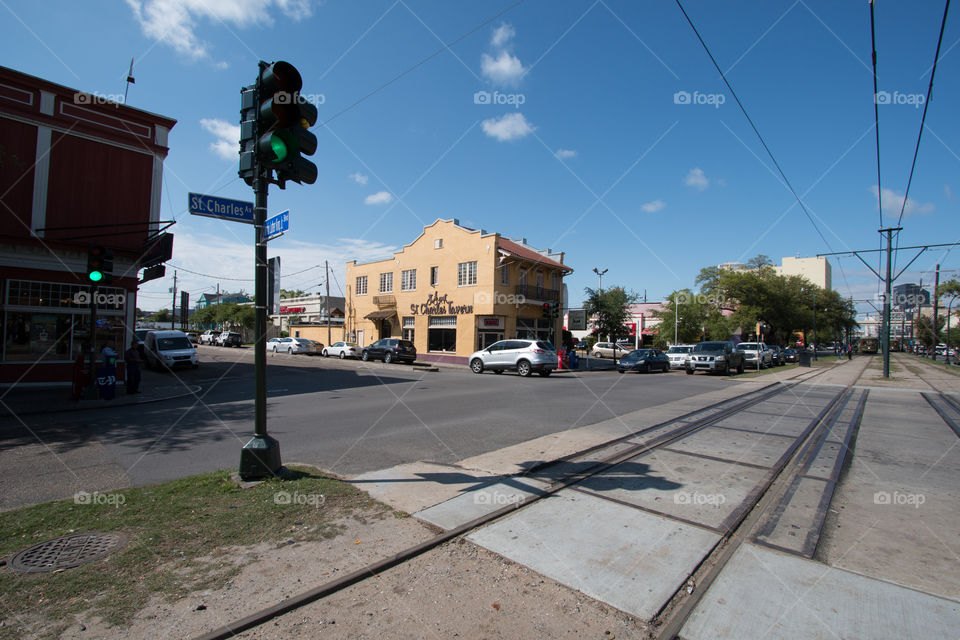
(455, 290)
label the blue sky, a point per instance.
(608, 133)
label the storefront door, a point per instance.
(487, 338)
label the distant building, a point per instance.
(817, 270)
(210, 299)
(910, 296)
(732, 266)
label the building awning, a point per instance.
(380, 315)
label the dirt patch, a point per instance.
(266, 573)
(457, 590)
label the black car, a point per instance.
(790, 355)
(645, 360)
(390, 349)
(229, 339)
(778, 357)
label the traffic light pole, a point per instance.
(260, 457)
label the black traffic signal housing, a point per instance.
(554, 310)
(99, 265)
(274, 127)
(546, 313)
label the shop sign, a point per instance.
(491, 323)
(100, 299)
(437, 305)
(292, 309)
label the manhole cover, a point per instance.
(66, 552)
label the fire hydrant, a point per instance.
(560, 354)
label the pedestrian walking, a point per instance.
(132, 356)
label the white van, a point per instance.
(170, 349)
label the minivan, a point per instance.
(170, 349)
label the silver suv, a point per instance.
(718, 356)
(524, 356)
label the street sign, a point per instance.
(577, 319)
(277, 225)
(222, 208)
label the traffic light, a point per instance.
(554, 310)
(274, 127)
(546, 313)
(99, 265)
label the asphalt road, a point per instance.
(350, 416)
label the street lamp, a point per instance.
(600, 277)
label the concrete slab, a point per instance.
(758, 449)
(474, 504)
(766, 594)
(896, 513)
(797, 526)
(629, 559)
(692, 489)
(519, 458)
(418, 485)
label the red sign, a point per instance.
(292, 309)
(631, 327)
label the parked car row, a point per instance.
(220, 338)
(294, 345)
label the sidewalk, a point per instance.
(31, 400)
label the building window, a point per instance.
(442, 334)
(539, 283)
(438, 243)
(554, 281)
(434, 276)
(408, 280)
(408, 323)
(361, 285)
(467, 274)
(386, 282)
(505, 275)
(523, 277)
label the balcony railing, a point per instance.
(534, 293)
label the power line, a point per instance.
(926, 104)
(753, 126)
(876, 110)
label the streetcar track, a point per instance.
(688, 425)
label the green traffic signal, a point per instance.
(99, 264)
(95, 276)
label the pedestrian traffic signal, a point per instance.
(274, 127)
(546, 313)
(99, 265)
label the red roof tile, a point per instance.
(511, 247)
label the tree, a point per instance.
(700, 317)
(610, 307)
(291, 293)
(759, 261)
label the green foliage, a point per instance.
(610, 307)
(700, 317)
(291, 293)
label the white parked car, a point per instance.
(293, 345)
(342, 350)
(678, 355)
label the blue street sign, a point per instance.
(276, 225)
(222, 208)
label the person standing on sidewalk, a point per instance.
(132, 356)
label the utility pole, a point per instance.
(936, 313)
(218, 306)
(326, 265)
(173, 305)
(887, 292)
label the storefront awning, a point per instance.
(380, 315)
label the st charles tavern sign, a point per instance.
(437, 305)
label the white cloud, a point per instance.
(511, 126)
(653, 207)
(174, 22)
(380, 197)
(505, 69)
(227, 143)
(502, 36)
(697, 179)
(563, 154)
(891, 201)
(228, 259)
(358, 177)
